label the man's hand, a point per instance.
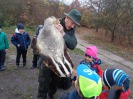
(74, 72)
(60, 29)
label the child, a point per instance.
(3, 46)
(88, 84)
(21, 40)
(33, 46)
(91, 60)
(116, 83)
(38, 29)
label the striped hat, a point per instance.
(116, 77)
(90, 83)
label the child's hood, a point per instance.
(17, 31)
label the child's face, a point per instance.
(88, 59)
(21, 31)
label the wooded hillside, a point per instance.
(114, 16)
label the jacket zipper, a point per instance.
(24, 41)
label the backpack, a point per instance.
(15, 35)
(99, 70)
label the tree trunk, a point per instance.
(106, 33)
(113, 36)
(96, 28)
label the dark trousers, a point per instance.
(48, 83)
(2, 58)
(35, 59)
(19, 53)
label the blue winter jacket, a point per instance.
(72, 95)
(22, 39)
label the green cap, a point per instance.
(90, 83)
(75, 16)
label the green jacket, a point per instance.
(3, 41)
(69, 37)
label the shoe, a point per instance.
(50, 97)
(25, 67)
(32, 67)
(2, 69)
(17, 66)
(42, 97)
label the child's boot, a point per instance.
(17, 66)
(2, 68)
(24, 65)
(32, 67)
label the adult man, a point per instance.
(48, 80)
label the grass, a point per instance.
(76, 51)
(99, 39)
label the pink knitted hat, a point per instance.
(92, 51)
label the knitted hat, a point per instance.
(75, 16)
(92, 51)
(116, 77)
(38, 28)
(20, 26)
(90, 83)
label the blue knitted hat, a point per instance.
(116, 77)
(20, 26)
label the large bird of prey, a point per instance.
(51, 46)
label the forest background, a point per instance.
(113, 16)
